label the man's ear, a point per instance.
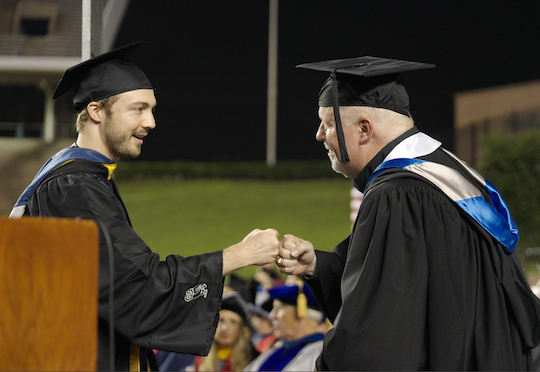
(94, 111)
(365, 130)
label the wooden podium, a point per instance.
(49, 294)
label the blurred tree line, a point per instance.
(512, 164)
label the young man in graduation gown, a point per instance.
(169, 305)
(428, 279)
(297, 320)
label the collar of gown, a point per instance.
(362, 178)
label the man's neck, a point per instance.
(86, 141)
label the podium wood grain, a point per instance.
(48, 293)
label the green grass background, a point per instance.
(191, 217)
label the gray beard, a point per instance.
(337, 166)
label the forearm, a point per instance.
(325, 283)
(233, 261)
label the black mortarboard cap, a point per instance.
(363, 81)
(103, 76)
(233, 301)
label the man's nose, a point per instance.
(150, 121)
(320, 135)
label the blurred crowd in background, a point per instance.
(267, 322)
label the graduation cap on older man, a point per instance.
(103, 76)
(363, 81)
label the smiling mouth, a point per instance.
(328, 148)
(138, 139)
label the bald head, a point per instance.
(367, 130)
(388, 125)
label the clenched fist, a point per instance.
(297, 256)
(259, 247)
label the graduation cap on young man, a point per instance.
(103, 76)
(363, 81)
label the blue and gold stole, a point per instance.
(56, 161)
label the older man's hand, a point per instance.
(296, 256)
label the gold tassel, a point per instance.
(134, 358)
(301, 301)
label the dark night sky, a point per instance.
(208, 61)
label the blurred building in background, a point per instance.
(39, 40)
(507, 109)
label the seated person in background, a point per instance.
(251, 289)
(263, 333)
(296, 280)
(296, 319)
(232, 349)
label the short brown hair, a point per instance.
(105, 103)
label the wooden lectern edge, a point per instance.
(50, 288)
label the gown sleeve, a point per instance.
(169, 305)
(325, 281)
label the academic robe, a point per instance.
(298, 355)
(168, 305)
(419, 285)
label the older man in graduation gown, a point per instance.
(428, 279)
(169, 305)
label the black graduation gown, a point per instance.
(152, 305)
(418, 285)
